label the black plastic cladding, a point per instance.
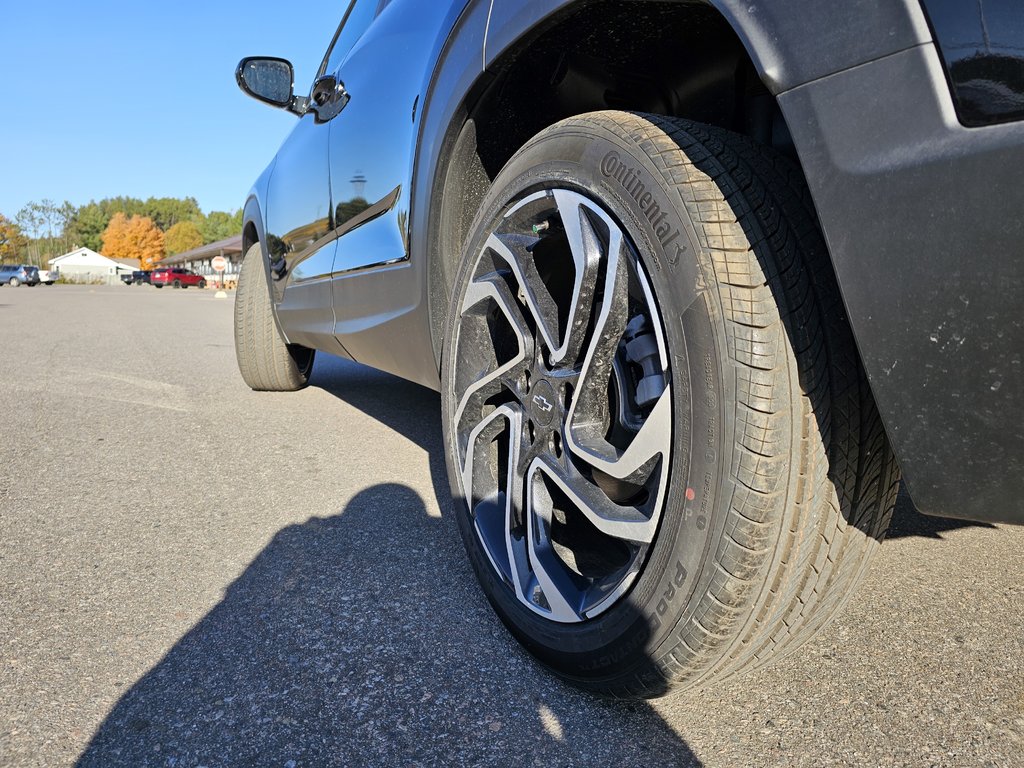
(922, 219)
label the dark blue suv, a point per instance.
(695, 281)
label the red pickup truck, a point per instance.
(177, 277)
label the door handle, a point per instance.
(329, 97)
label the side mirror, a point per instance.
(270, 80)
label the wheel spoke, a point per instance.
(553, 579)
(585, 248)
(495, 510)
(619, 521)
(493, 286)
(512, 248)
(489, 383)
(588, 413)
(516, 540)
(635, 462)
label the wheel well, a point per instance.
(249, 236)
(669, 58)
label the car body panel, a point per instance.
(382, 313)
(298, 220)
(376, 293)
(982, 48)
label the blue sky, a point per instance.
(115, 98)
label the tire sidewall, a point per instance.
(589, 159)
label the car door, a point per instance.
(299, 220)
(372, 142)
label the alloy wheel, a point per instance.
(563, 405)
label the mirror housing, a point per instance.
(272, 81)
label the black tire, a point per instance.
(158, 285)
(14, 282)
(781, 481)
(177, 283)
(201, 284)
(265, 361)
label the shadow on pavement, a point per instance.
(362, 639)
(907, 521)
(355, 640)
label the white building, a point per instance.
(84, 265)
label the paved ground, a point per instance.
(195, 574)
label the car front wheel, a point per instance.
(666, 460)
(265, 360)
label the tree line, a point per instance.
(118, 227)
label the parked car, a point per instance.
(178, 277)
(19, 274)
(48, 276)
(690, 278)
(137, 277)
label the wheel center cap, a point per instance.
(543, 403)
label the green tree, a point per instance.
(168, 211)
(45, 224)
(183, 236)
(349, 208)
(87, 224)
(219, 225)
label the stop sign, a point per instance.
(219, 263)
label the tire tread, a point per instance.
(264, 359)
(813, 479)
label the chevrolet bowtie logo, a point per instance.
(542, 402)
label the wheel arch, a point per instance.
(251, 225)
(253, 232)
(254, 226)
(467, 135)
(773, 48)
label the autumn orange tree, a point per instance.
(133, 238)
(183, 236)
(12, 242)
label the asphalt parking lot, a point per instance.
(194, 574)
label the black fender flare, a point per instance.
(789, 43)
